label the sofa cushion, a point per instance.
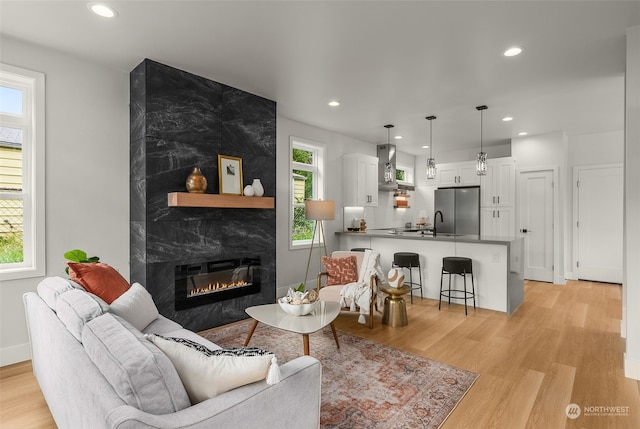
(341, 270)
(75, 308)
(50, 288)
(161, 326)
(207, 373)
(136, 307)
(98, 278)
(136, 369)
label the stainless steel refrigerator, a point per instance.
(460, 209)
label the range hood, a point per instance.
(387, 169)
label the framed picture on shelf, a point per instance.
(230, 175)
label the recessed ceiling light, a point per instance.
(512, 52)
(102, 10)
(523, 133)
(507, 118)
(398, 137)
(425, 147)
(334, 103)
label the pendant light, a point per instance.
(431, 163)
(481, 162)
(389, 174)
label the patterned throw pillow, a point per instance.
(207, 373)
(341, 270)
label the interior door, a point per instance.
(599, 223)
(535, 208)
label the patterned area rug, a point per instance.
(365, 384)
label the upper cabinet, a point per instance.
(498, 185)
(457, 174)
(360, 180)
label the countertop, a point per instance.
(427, 236)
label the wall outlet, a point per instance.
(496, 257)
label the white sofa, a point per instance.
(97, 371)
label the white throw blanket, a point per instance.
(360, 292)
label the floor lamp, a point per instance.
(318, 210)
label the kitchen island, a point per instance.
(497, 262)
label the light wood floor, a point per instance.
(561, 346)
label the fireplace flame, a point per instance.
(215, 287)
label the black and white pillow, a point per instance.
(206, 373)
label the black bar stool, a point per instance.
(461, 266)
(409, 260)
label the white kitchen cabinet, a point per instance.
(457, 174)
(497, 187)
(497, 221)
(360, 180)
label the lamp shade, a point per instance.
(319, 210)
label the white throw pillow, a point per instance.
(135, 306)
(207, 373)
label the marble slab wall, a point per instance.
(180, 121)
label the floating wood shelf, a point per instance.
(186, 199)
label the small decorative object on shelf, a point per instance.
(400, 199)
(196, 182)
(248, 191)
(257, 188)
(363, 224)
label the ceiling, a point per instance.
(387, 62)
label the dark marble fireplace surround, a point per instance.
(180, 121)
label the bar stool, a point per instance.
(461, 266)
(409, 260)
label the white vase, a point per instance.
(249, 191)
(257, 188)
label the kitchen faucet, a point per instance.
(435, 221)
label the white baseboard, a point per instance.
(569, 276)
(631, 367)
(15, 354)
(623, 323)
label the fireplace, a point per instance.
(213, 281)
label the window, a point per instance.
(306, 184)
(404, 174)
(22, 224)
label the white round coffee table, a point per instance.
(272, 315)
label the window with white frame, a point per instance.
(307, 167)
(22, 246)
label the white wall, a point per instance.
(87, 173)
(630, 325)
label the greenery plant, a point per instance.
(11, 248)
(77, 255)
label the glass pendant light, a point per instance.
(481, 162)
(389, 173)
(431, 163)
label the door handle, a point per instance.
(525, 230)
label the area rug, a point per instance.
(365, 384)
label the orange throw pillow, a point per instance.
(99, 279)
(341, 270)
